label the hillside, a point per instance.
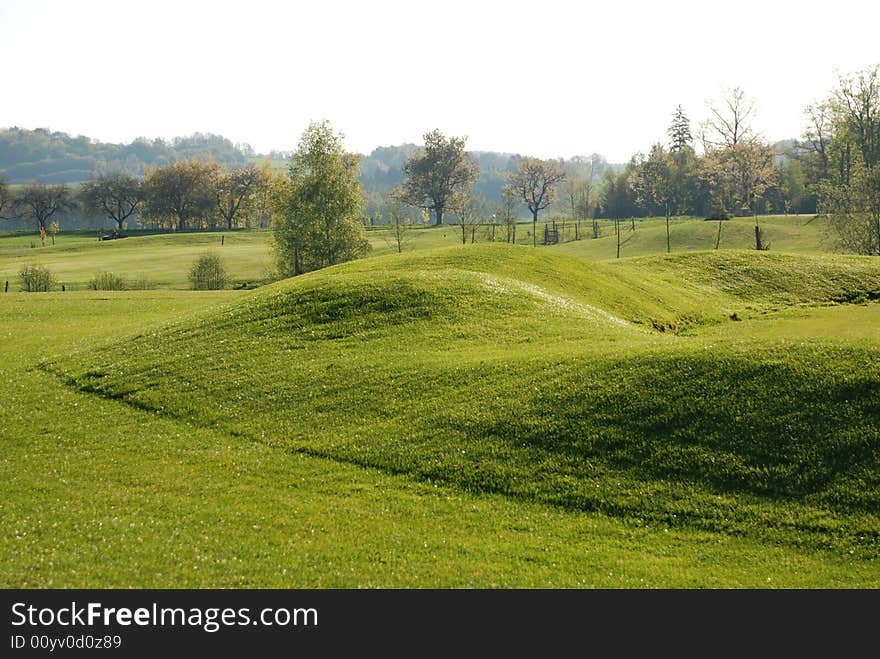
(56, 157)
(624, 388)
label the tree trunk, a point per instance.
(668, 243)
(438, 211)
(617, 227)
(718, 237)
(759, 243)
(534, 228)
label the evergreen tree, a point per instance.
(679, 131)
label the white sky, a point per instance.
(546, 78)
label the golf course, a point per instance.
(480, 415)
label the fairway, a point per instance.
(163, 260)
(473, 416)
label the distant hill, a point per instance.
(56, 157)
(53, 157)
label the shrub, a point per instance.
(37, 278)
(107, 281)
(208, 273)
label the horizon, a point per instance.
(598, 94)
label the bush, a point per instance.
(208, 273)
(107, 281)
(37, 278)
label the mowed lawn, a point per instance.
(98, 494)
(101, 492)
(163, 260)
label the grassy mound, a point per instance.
(541, 376)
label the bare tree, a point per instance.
(507, 210)
(399, 223)
(858, 106)
(40, 202)
(654, 185)
(534, 182)
(233, 189)
(6, 198)
(115, 196)
(730, 122)
(471, 212)
(819, 134)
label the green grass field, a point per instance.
(163, 260)
(477, 416)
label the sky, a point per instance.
(547, 78)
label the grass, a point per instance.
(97, 493)
(163, 260)
(801, 234)
(620, 394)
(476, 416)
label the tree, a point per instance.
(208, 273)
(319, 207)
(818, 136)
(743, 161)
(619, 198)
(399, 224)
(851, 194)
(6, 198)
(40, 202)
(579, 195)
(654, 184)
(115, 196)
(534, 182)
(470, 211)
(507, 211)
(729, 123)
(857, 105)
(433, 175)
(261, 209)
(233, 189)
(679, 131)
(179, 194)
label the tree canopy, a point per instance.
(433, 175)
(319, 205)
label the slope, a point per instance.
(541, 377)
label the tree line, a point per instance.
(832, 171)
(180, 196)
(319, 204)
